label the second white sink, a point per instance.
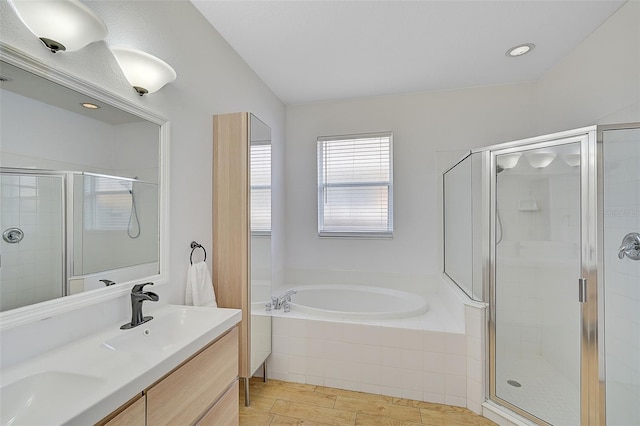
(30, 400)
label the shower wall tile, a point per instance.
(475, 357)
(32, 269)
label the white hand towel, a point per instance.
(199, 286)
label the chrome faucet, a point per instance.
(137, 297)
(284, 298)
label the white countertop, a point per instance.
(84, 381)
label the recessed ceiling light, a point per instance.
(89, 105)
(520, 50)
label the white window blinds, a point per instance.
(107, 203)
(260, 188)
(355, 190)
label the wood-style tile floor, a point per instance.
(277, 403)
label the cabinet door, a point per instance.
(231, 221)
(226, 412)
(133, 415)
(184, 395)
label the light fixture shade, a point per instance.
(540, 160)
(509, 161)
(61, 24)
(145, 72)
(572, 160)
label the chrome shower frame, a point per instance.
(592, 362)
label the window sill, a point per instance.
(357, 235)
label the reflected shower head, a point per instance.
(128, 184)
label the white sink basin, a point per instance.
(30, 400)
(83, 381)
(163, 332)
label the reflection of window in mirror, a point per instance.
(107, 204)
(260, 188)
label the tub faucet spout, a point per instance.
(278, 302)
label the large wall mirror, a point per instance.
(82, 191)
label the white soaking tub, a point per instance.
(357, 301)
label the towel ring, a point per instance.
(194, 246)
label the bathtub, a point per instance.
(357, 301)
(382, 341)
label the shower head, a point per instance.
(499, 168)
(128, 185)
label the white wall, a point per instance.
(212, 79)
(422, 125)
(597, 83)
(26, 145)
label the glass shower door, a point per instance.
(621, 155)
(537, 241)
(32, 224)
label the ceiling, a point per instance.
(317, 50)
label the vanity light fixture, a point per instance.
(89, 105)
(509, 161)
(540, 160)
(520, 50)
(145, 72)
(62, 25)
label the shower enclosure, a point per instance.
(554, 224)
(64, 231)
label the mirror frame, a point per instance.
(42, 310)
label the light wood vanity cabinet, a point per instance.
(225, 412)
(203, 390)
(132, 415)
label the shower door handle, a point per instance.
(582, 290)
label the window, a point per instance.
(355, 189)
(260, 188)
(107, 203)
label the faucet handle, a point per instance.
(138, 287)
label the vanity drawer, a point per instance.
(226, 411)
(184, 395)
(132, 415)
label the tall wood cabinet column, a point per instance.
(231, 227)
(235, 137)
(231, 235)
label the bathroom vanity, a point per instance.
(179, 368)
(203, 390)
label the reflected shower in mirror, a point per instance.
(80, 179)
